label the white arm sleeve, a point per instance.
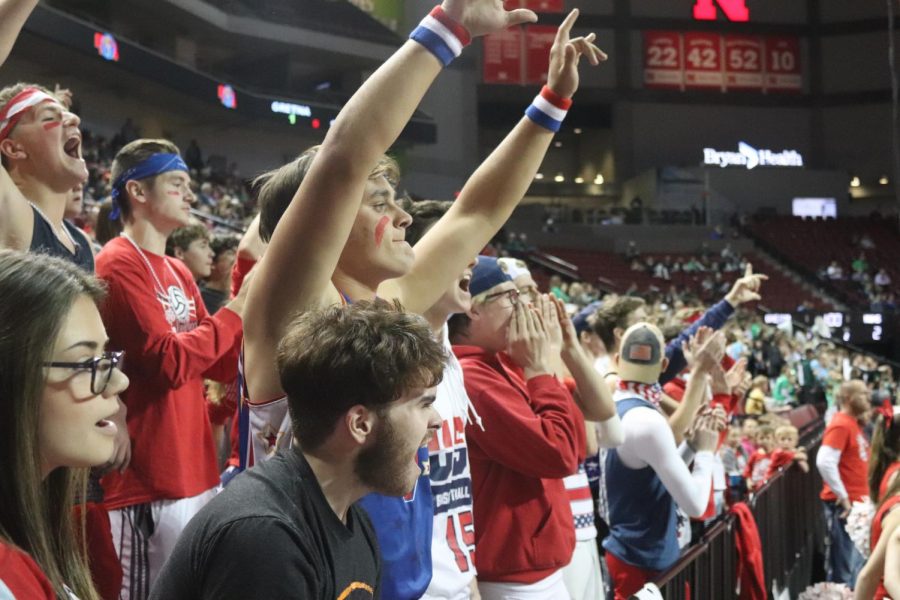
(686, 452)
(649, 441)
(609, 432)
(827, 461)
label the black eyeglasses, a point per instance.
(101, 368)
(512, 294)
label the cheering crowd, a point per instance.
(350, 402)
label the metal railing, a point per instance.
(788, 515)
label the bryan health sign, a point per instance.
(749, 157)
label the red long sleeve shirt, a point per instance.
(532, 438)
(170, 345)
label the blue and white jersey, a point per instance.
(453, 539)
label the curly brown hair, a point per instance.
(368, 353)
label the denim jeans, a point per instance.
(842, 560)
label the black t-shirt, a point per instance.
(272, 534)
(212, 299)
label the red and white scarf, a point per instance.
(651, 392)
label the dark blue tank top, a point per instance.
(641, 511)
(44, 240)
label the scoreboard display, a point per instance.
(856, 328)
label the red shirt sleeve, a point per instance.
(239, 271)
(152, 348)
(23, 576)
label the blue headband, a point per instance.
(149, 167)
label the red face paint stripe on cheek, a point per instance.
(52, 125)
(379, 230)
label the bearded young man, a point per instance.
(360, 386)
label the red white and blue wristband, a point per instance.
(441, 35)
(548, 109)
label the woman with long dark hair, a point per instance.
(58, 387)
(884, 490)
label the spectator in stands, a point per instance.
(558, 288)
(733, 458)
(632, 252)
(784, 392)
(507, 356)
(642, 540)
(860, 267)
(155, 313)
(884, 491)
(40, 164)
(521, 276)
(834, 271)
(291, 527)
(842, 462)
(59, 388)
(216, 288)
(757, 398)
(749, 429)
(786, 451)
(190, 245)
(882, 279)
(758, 462)
(661, 271)
(74, 203)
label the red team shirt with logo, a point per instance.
(171, 344)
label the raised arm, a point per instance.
(495, 189)
(745, 289)
(593, 397)
(706, 349)
(13, 14)
(16, 218)
(316, 225)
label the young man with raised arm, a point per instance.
(646, 476)
(340, 233)
(40, 160)
(155, 313)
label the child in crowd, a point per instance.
(784, 392)
(756, 399)
(786, 451)
(758, 464)
(732, 453)
(748, 436)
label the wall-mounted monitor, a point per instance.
(814, 207)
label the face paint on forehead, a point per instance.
(379, 230)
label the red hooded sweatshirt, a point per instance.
(532, 438)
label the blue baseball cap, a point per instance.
(487, 274)
(580, 321)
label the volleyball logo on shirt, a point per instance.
(863, 447)
(178, 307)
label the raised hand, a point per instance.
(746, 289)
(547, 310)
(562, 77)
(706, 352)
(481, 17)
(527, 341)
